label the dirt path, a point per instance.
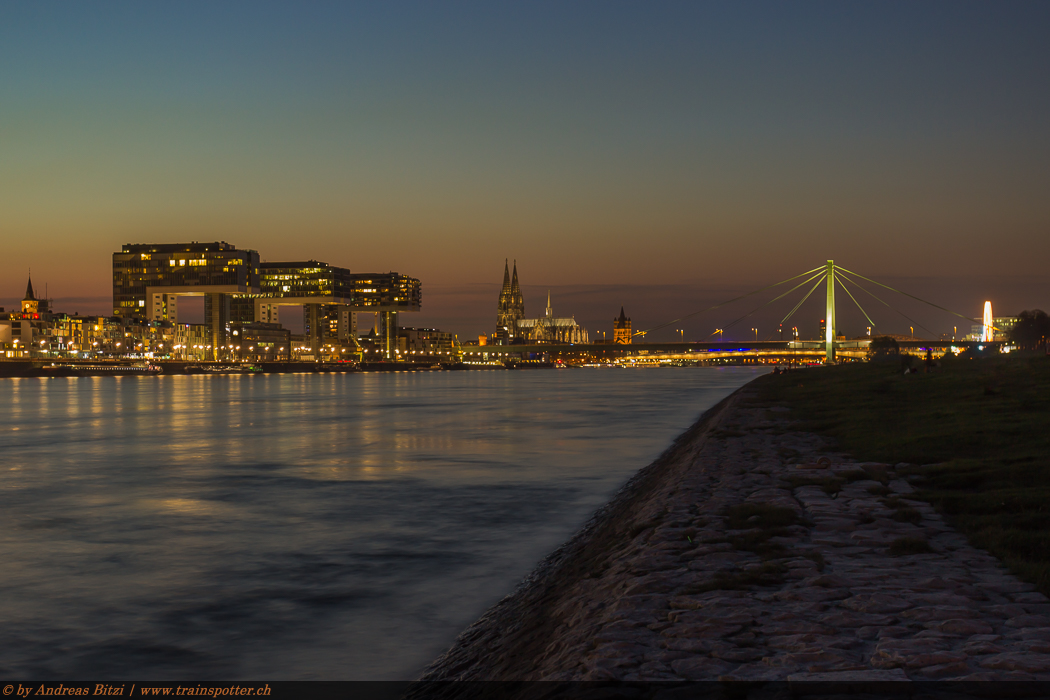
(734, 556)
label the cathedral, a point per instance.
(511, 307)
(513, 328)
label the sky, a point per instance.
(662, 156)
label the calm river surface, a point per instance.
(301, 526)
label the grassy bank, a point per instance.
(979, 428)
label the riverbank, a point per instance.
(753, 550)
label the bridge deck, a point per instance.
(757, 347)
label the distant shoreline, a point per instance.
(144, 368)
(66, 368)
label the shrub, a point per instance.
(883, 347)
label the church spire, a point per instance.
(511, 304)
(32, 305)
(516, 299)
(622, 329)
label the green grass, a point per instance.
(981, 427)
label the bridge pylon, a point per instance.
(829, 319)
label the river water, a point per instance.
(279, 527)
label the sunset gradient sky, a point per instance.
(657, 155)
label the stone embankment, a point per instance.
(749, 551)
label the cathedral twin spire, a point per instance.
(511, 302)
(513, 327)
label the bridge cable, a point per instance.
(857, 303)
(712, 308)
(792, 312)
(819, 274)
(884, 303)
(887, 305)
(972, 320)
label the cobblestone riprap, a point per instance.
(750, 551)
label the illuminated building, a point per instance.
(32, 305)
(260, 342)
(512, 326)
(1003, 326)
(992, 328)
(27, 330)
(622, 329)
(330, 297)
(6, 349)
(237, 288)
(148, 278)
(191, 342)
(426, 341)
(511, 307)
(549, 329)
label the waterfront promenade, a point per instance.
(737, 556)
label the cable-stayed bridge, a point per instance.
(830, 348)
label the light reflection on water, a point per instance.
(301, 526)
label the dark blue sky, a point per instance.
(600, 144)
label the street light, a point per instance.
(756, 334)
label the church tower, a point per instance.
(30, 305)
(622, 329)
(511, 305)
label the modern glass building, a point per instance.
(178, 269)
(311, 278)
(149, 278)
(330, 296)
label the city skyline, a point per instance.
(663, 158)
(473, 307)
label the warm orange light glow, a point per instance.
(987, 335)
